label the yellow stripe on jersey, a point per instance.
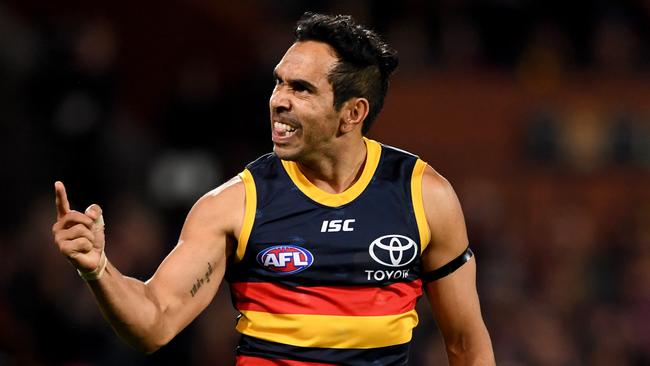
(347, 196)
(249, 213)
(418, 204)
(329, 331)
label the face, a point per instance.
(304, 122)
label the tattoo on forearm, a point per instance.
(200, 281)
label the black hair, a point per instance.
(365, 60)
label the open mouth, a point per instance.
(283, 130)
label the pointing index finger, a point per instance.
(61, 200)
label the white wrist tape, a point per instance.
(96, 273)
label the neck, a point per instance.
(338, 169)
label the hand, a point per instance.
(79, 236)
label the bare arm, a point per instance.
(454, 300)
(147, 315)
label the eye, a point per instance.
(299, 87)
(302, 87)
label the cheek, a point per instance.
(318, 119)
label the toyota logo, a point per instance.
(393, 250)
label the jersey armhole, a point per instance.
(418, 204)
(249, 213)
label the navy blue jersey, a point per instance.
(322, 278)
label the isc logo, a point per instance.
(333, 226)
(285, 259)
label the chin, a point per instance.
(286, 153)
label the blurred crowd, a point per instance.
(142, 107)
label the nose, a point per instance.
(279, 101)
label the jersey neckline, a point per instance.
(373, 149)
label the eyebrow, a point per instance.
(300, 82)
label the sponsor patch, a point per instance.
(285, 259)
(393, 250)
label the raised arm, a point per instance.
(453, 298)
(147, 315)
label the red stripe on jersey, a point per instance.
(243, 360)
(274, 298)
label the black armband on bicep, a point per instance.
(448, 268)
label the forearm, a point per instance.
(132, 309)
(148, 315)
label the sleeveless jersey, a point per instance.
(329, 279)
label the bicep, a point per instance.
(189, 277)
(445, 219)
(453, 298)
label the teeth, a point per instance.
(284, 127)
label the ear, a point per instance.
(354, 113)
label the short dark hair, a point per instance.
(365, 60)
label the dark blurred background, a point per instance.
(538, 112)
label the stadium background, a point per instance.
(537, 112)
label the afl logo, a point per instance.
(285, 259)
(393, 250)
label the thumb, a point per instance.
(95, 212)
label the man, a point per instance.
(326, 243)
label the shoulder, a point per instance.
(221, 207)
(395, 152)
(232, 194)
(231, 190)
(436, 188)
(444, 217)
(263, 162)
